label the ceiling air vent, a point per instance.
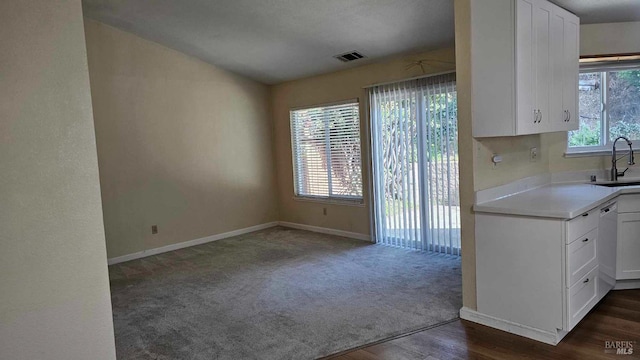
(350, 56)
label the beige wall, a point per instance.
(342, 85)
(181, 144)
(611, 38)
(555, 145)
(515, 163)
(55, 301)
(467, 150)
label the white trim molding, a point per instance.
(627, 284)
(206, 239)
(548, 337)
(182, 245)
(323, 230)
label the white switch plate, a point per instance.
(533, 154)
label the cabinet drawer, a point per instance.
(581, 298)
(629, 203)
(581, 256)
(582, 224)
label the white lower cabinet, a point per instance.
(538, 277)
(581, 257)
(628, 262)
(582, 296)
(628, 240)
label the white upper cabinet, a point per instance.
(565, 57)
(526, 68)
(524, 64)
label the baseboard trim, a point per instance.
(206, 239)
(182, 245)
(323, 230)
(627, 284)
(552, 338)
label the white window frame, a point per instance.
(607, 146)
(332, 198)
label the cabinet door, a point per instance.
(526, 119)
(581, 298)
(628, 259)
(516, 72)
(564, 59)
(571, 70)
(533, 66)
(542, 15)
(557, 114)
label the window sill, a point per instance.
(586, 153)
(335, 201)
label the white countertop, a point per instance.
(564, 201)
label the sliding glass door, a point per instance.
(415, 164)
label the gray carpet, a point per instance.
(277, 294)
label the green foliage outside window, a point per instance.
(621, 106)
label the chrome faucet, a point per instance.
(614, 168)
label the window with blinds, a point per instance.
(326, 152)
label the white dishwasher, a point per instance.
(606, 248)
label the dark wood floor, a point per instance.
(616, 318)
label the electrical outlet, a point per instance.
(533, 154)
(324, 211)
(154, 229)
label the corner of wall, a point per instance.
(188, 143)
(276, 174)
(467, 152)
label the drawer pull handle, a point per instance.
(585, 240)
(586, 281)
(587, 214)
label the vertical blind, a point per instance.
(414, 135)
(326, 151)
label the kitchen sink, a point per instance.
(619, 184)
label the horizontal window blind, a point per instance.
(326, 151)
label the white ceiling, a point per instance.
(278, 40)
(602, 11)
